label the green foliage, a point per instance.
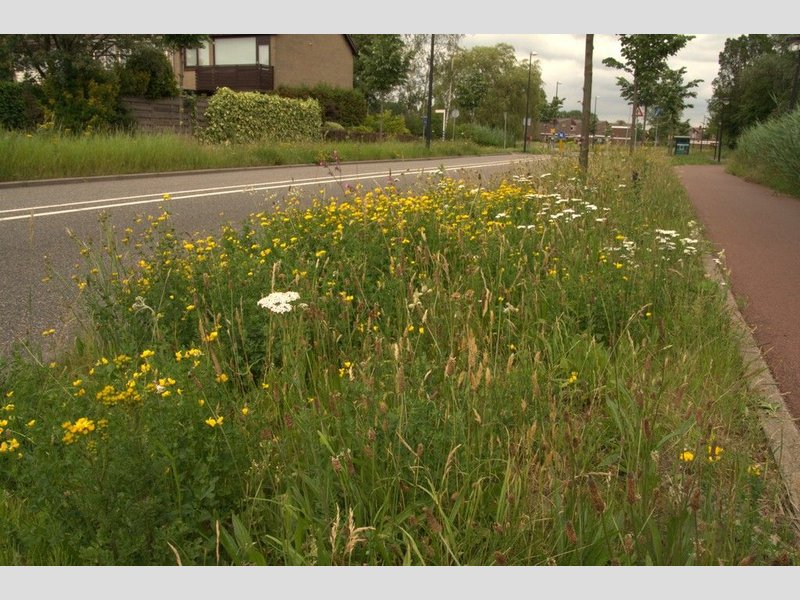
(340, 105)
(147, 73)
(491, 85)
(645, 61)
(769, 153)
(753, 84)
(19, 106)
(526, 372)
(483, 135)
(33, 156)
(242, 117)
(388, 123)
(382, 63)
(88, 103)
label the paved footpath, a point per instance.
(759, 231)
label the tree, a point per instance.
(382, 64)
(670, 95)
(413, 93)
(587, 102)
(77, 73)
(491, 84)
(645, 59)
(753, 82)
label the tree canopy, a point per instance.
(645, 61)
(753, 83)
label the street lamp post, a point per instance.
(527, 103)
(794, 46)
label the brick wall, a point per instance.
(312, 59)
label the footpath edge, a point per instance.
(779, 426)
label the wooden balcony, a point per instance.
(239, 78)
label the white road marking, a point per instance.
(123, 201)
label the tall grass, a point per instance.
(47, 156)
(769, 154)
(535, 372)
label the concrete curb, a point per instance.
(778, 424)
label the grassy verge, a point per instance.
(532, 373)
(51, 156)
(769, 154)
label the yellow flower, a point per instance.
(201, 402)
(715, 453)
(147, 354)
(212, 422)
(212, 336)
(245, 410)
(222, 378)
(754, 470)
(687, 456)
(48, 332)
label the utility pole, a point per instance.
(430, 98)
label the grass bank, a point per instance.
(769, 154)
(536, 372)
(50, 156)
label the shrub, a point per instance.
(89, 102)
(19, 108)
(241, 117)
(147, 74)
(347, 107)
(388, 123)
(485, 136)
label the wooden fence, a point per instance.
(167, 115)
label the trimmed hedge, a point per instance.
(242, 117)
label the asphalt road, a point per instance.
(760, 232)
(36, 218)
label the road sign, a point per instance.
(639, 111)
(562, 135)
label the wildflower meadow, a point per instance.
(528, 371)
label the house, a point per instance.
(264, 62)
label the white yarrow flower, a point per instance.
(279, 302)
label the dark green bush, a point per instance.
(347, 107)
(19, 106)
(147, 73)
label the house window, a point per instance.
(235, 51)
(263, 54)
(198, 57)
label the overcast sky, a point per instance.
(561, 57)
